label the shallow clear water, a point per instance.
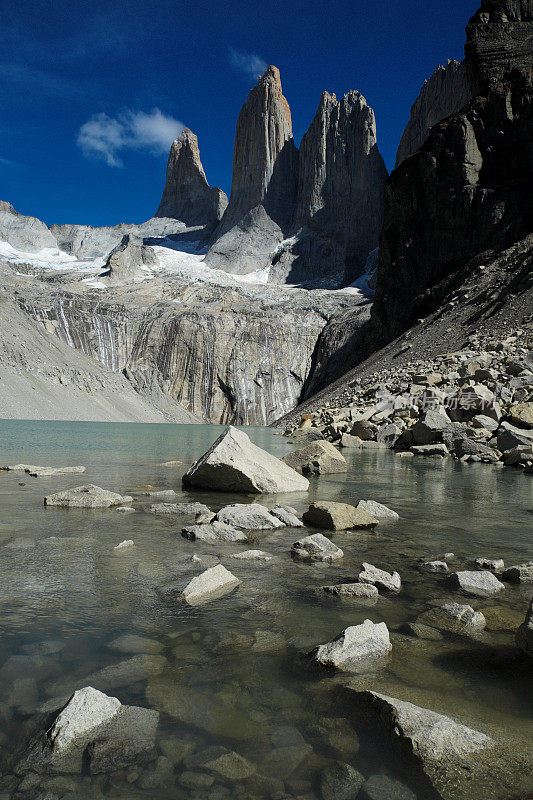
(234, 674)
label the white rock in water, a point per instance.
(125, 509)
(377, 510)
(288, 516)
(234, 464)
(391, 582)
(89, 496)
(45, 472)
(356, 647)
(316, 547)
(124, 545)
(210, 585)
(86, 710)
(253, 555)
(215, 531)
(479, 583)
(249, 516)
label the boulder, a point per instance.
(213, 532)
(449, 753)
(454, 618)
(433, 566)
(377, 510)
(93, 733)
(356, 649)
(350, 442)
(388, 435)
(249, 517)
(429, 429)
(317, 458)
(363, 429)
(340, 781)
(234, 464)
(521, 414)
(390, 582)
(287, 515)
(518, 455)
(482, 421)
(337, 516)
(509, 437)
(477, 398)
(210, 585)
(519, 573)
(524, 634)
(479, 583)
(89, 496)
(316, 548)
(184, 510)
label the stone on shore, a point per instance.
(215, 531)
(519, 573)
(249, 517)
(317, 458)
(316, 548)
(430, 450)
(377, 510)
(356, 649)
(93, 733)
(350, 442)
(212, 584)
(234, 464)
(524, 634)
(389, 581)
(288, 516)
(452, 756)
(521, 414)
(479, 583)
(337, 516)
(89, 496)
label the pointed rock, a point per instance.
(264, 182)
(187, 195)
(130, 260)
(341, 189)
(446, 91)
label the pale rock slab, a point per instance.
(390, 582)
(249, 516)
(89, 496)
(316, 548)
(210, 585)
(356, 649)
(377, 510)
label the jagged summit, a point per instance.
(187, 195)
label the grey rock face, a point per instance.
(89, 496)
(445, 92)
(444, 748)
(317, 458)
(210, 585)
(316, 548)
(234, 464)
(341, 191)
(479, 583)
(429, 429)
(249, 517)
(187, 195)
(356, 649)
(509, 436)
(127, 261)
(28, 234)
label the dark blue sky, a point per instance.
(65, 64)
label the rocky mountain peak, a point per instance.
(187, 195)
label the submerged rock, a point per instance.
(317, 458)
(89, 496)
(252, 555)
(453, 617)
(46, 472)
(93, 733)
(215, 531)
(210, 585)
(316, 548)
(383, 787)
(234, 464)
(340, 781)
(361, 590)
(356, 649)
(337, 516)
(249, 516)
(452, 756)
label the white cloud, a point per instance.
(249, 63)
(104, 137)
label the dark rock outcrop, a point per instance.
(445, 92)
(187, 195)
(468, 189)
(341, 193)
